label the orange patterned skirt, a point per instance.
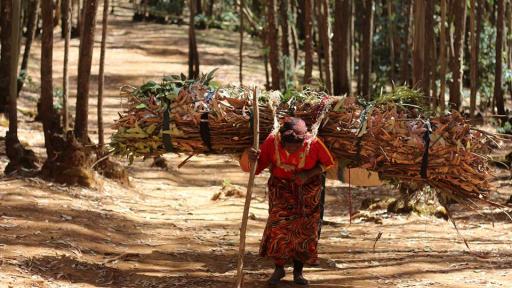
(294, 221)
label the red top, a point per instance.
(284, 165)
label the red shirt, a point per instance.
(284, 165)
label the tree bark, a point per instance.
(391, 34)
(442, 58)
(240, 54)
(341, 47)
(498, 91)
(418, 44)
(47, 111)
(285, 28)
(404, 54)
(66, 19)
(209, 11)
(324, 31)
(474, 61)
(101, 75)
(308, 41)
(428, 50)
(199, 7)
(193, 54)
(5, 54)
(13, 68)
(273, 34)
(31, 23)
(366, 49)
(456, 62)
(84, 70)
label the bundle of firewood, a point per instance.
(389, 135)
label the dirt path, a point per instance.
(165, 231)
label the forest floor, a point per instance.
(165, 231)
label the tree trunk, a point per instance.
(474, 61)
(66, 19)
(429, 39)
(324, 31)
(273, 34)
(479, 21)
(391, 34)
(442, 58)
(404, 54)
(101, 75)
(209, 11)
(79, 17)
(285, 29)
(366, 49)
(308, 41)
(293, 33)
(193, 54)
(84, 70)
(56, 17)
(418, 49)
(13, 67)
(19, 157)
(240, 56)
(199, 7)
(5, 56)
(498, 75)
(456, 62)
(47, 111)
(341, 47)
(31, 23)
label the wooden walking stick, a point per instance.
(248, 196)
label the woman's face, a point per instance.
(292, 147)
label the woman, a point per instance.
(297, 163)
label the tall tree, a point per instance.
(240, 54)
(391, 34)
(498, 91)
(366, 49)
(13, 68)
(418, 43)
(84, 70)
(272, 38)
(442, 58)
(199, 7)
(66, 24)
(19, 157)
(285, 28)
(193, 55)
(31, 23)
(406, 43)
(474, 60)
(428, 50)
(324, 31)
(341, 47)
(101, 75)
(5, 54)
(46, 100)
(456, 62)
(308, 41)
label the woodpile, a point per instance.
(389, 135)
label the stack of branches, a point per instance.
(392, 135)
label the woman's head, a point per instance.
(293, 133)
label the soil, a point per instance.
(164, 230)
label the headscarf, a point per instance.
(293, 130)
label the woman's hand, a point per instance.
(301, 177)
(254, 154)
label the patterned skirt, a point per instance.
(293, 225)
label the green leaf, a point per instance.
(141, 106)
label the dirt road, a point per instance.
(165, 231)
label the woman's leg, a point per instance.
(298, 278)
(279, 272)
